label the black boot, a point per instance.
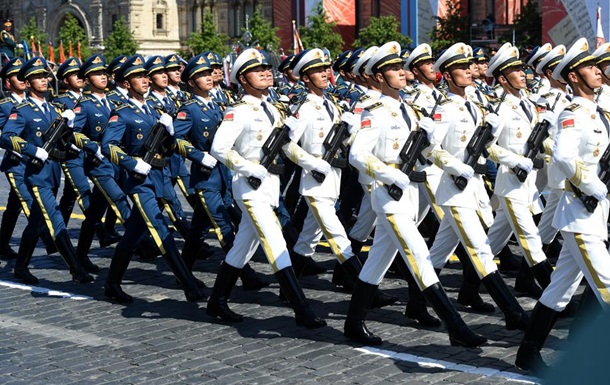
(147, 249)
(552, 250)
(341, 278)
(106, 239)
(352, 268)
(459, 333)
(189, 254)
(304, 266)
(181, 272)
(66, 250)
(354, 328)
(528, 355)
(183, 227)
(250, 279)
(416, 307)
(525, 283)
(509, 262)
(469, 291)
(542, 272)
(303, 314)
(516, 317)
(356, 245)
(118, 266)
(9, 220)
(21, 271)
(217, 304)
(85, 238)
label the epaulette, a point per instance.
(28, 103)
(64, 95)
(6, 100)
(374, 106)
(189, 102)
(125, 105)
(410, 91)
(364, 97)
(444, 100)
(573, 107)
(238, 103)
(478, 104)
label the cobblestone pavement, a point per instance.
(64, 333)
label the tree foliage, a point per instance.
(263, 32)
(72, 32)
(451, 29)
(31, 29)
(321, 32)
(380, 31)
(528, 25)
(120, 41)
(207, 39)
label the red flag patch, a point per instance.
(437, 117)
(12, 116)
(181, 115)
(358, 110)
(113, 118)
(568, 123)
(229, 117)
(77, 109)
(366, 123)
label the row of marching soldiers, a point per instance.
(417, 148)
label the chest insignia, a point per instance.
(140, 136)
(139, 121)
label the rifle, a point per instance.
(153, 145)
(410, 154)
(604, 175)
(476, 147)
(56, 136)
(534, 145)
(333, 143)
(273, 147)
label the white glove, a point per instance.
(401, 180)
(495, 122)
(597, 189)
(322, 166)
(525, 164)
(292, 122)
(259, 172)
(19, 45)
(41, 154)
(464, 170)
(350, 119)
(142, 167)
(69, 116)
(168, 122)
(549, 116)
(98, 153)
(208, 161)
(344, 105)
(73, 147)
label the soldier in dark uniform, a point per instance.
(23, 133)
(7, 41)
(129, 128)
(118, 95)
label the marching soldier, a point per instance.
(23, 133)
(386, 125)
(465, 209)
(7, 40)
(602, 53)
(540, 84)
(129, 128)
(582, 138)
(118, 95)
(238, 144)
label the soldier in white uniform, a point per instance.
(517, 198)
(557, 100)
(466, 210)
(309, 128)
(582, 138)
(602, 54)
(385, 127)
(543, 86)
(238, 144)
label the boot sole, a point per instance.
(224, 319)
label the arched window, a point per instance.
(160, 25)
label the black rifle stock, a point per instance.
(153, 145)
(477, 147)
(534, 145)
(411, 153)
(604, 175)
(57, 135)
(273, 147)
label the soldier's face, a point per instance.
(203, 80)
(474, 69)
(482, 68)
(515, 76)
(98, 79)
(137, 83)
(38, 83)
(394, 75)
(256, 77)
(409, 76)
(459, 74)
(426, 69)
(159, 78)
(318, 77)
(590, 75)
(173, 75)
(16, 84)
(217, 72)
(269, 76)
(73, 81)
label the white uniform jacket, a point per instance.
(557, 100)
(365, 101)
(603, 100)
(581, 140)
(314, 125)
(238, 143)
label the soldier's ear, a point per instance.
(126, 84)
(379, 78)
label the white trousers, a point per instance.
(367, 219)
(545, 226)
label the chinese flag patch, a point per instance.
(567, 123)
(181, 115)
(12, 116)
(229, 117)
(113, 118)
(366, 123)
(437, 117)
(77, 110)
(358, 110)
